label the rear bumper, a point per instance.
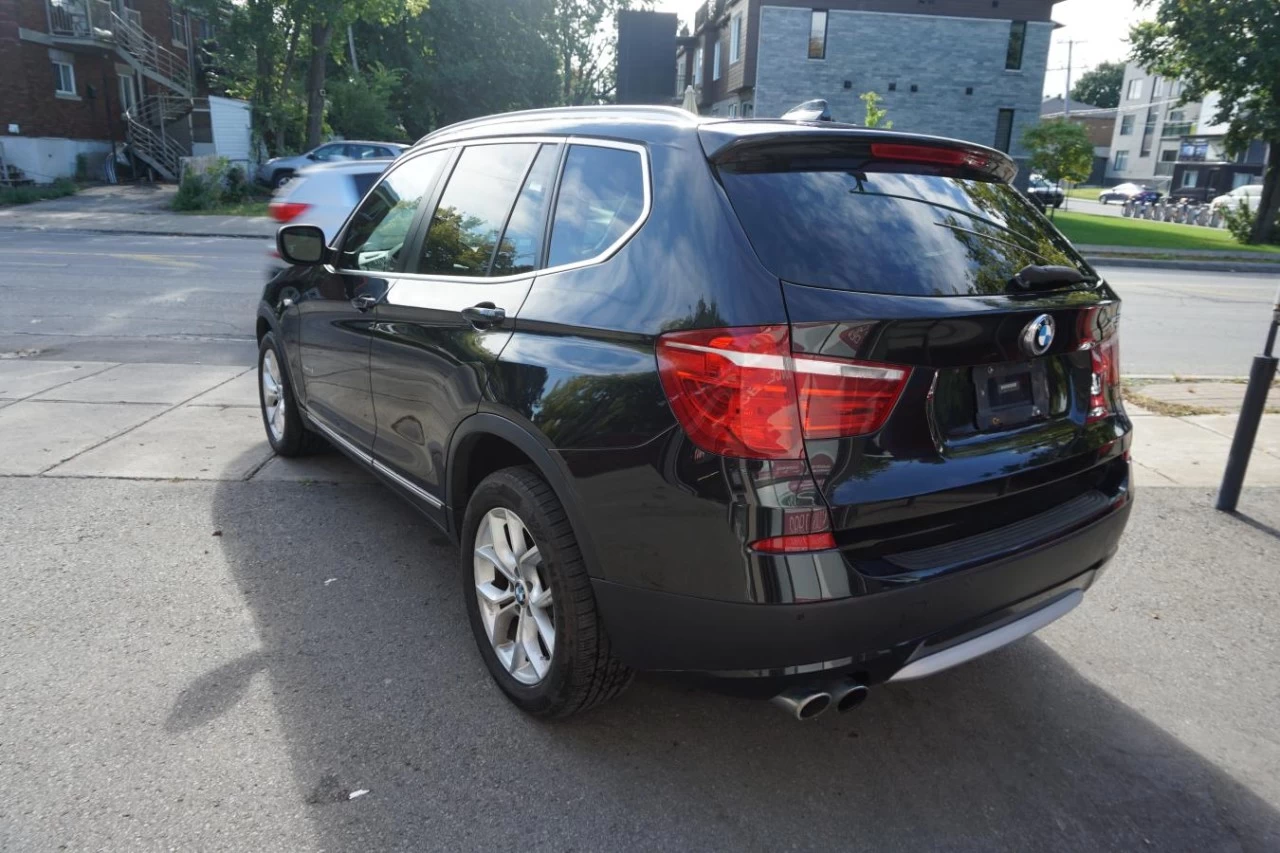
(873, 635)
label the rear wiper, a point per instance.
(1037, 276)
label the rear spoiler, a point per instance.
(731, 141)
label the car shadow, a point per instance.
(358, 604)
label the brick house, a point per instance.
(86, 77)
(970, 69)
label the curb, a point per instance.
(1201, 266)
(133, 232)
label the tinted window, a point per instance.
(601, 196)
(521, 242)
(362, 181)
(379, 227)
(327, 153)
(883, 232)
(473, 209)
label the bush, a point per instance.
(82, 168)
(1239, 221)
(38, 192)
(218, 185)
(196, 192)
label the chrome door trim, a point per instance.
(368, 459)
(417, 490)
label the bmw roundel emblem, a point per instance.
(1037, 337)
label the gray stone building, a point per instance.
(970, 69)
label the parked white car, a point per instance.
(278, 170)
(1250, 194)
(323, 196)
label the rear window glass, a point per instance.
(886, 232)
(362, 181)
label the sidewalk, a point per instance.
(201, 422)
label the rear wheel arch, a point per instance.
(485, 443)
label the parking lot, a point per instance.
(202, 646)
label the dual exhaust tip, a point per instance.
(805, 702)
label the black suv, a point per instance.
(804, 406)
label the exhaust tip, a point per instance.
(803, 703)
(852, 698)
(814, 706)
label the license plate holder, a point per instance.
(1009, 395)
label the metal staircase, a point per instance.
(148, 139)
(146, 55)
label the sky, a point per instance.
(1100, 29)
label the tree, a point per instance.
(1060, 150)
(584, 38)
(875, 115)
(1100, 86)
(1231, 47)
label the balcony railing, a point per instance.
(1172, 131)
(80, 18)
(1164, 169)
(709, 11)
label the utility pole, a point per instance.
(1066, 96)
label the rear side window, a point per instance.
(379, 226)
(473, 209)
(601, 197)
(361, 182)
(522, 240)
(886, 232)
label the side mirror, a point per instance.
(302, 245)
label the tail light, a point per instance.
(1104, 385)
(805, 529)
(740, 392)
(286, 211)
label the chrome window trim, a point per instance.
(368, 459)
(606, 254)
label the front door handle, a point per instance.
(364, 302)
(483, 315)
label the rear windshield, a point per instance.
(887, 232)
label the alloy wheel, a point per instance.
(273, 401)
(516, 604)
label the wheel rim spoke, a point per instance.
(272, 395)
(516, 607)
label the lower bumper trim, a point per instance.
(933, 662)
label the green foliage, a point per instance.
(875, 114)
(361, 107)
(1098, 230)
(1100, 86)
(219, 186)
(1231, 47)
(82, 167)
(37, 192)
(1239, 221)
(1060, 150)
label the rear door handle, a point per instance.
(364, 302)
(483, 315)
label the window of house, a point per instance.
(1121, 161)
(747, 109)
(64, 78)
(1017, 38)
(1135, 90)
(1169, 156)
(1190, 178)
(1157, 87)
(1004, 130)
(521, 242)
(715, 61)
(178, 25)
(1240, 179)
(735, 38)
(473, 209)
(1126, 125)
(380, 225)
(697, 67)
(733, 111)
(1175, 116)
(818, 34)
(601, 197)
(680, 84)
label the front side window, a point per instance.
(64, 78)
(380, 225)
(1017, 39)
(818, 34)
(715, 62)
(473, 209)
(1135, 90)
(1126, 125)
(1121, 161)
(601, 197)
(329, 153)
(735, 37)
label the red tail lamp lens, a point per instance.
(907, 153)
(286, 211)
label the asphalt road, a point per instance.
(163, 687)
(170, 299)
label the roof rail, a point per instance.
(568, 113)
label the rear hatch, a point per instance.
(966, 355)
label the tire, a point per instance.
(580, 670)
(286, 431)
(280, 178)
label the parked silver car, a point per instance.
(277, 170)
(323, 195)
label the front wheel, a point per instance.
(530, 601)
(286, 431)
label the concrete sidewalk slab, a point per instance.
(241, 391)
(1190, 455)
(1267, 441)
(144, 383)
(189, 443)
(325, 468)
(38, 435)
(23, 377)
(1210, 395)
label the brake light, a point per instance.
(807, 529)
(286, 211)
(932, 154)
(740, 392)
(1104, 385)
